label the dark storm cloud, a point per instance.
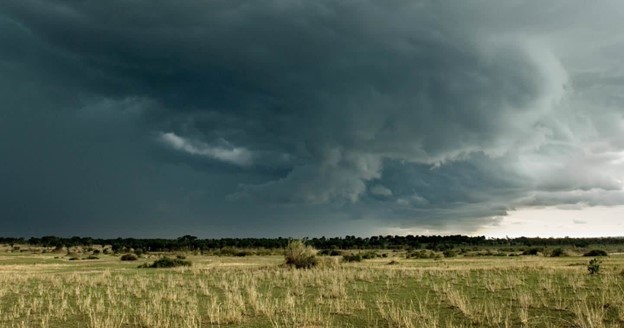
(210, 115)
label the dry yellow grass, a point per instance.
(259, 292)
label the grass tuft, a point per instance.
(300, 255)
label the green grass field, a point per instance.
(48, 290)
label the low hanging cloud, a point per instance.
(309, 113)
(338, 177)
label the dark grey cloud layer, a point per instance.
(303, 117)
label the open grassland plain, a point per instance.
(44, 290)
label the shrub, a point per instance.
(300, 255)
(74, 258)
(532, 251)
(243, 253)
(558, 252)
(352, 258)
(594, 266)
(167, 262)
(229, 251)
(129, 257)
(330, 252)
(92, 257)
(181, 257)
(596, 252)
(449, 253)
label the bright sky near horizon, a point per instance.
(292, 117)
(596, 221)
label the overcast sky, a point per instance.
(291, 118)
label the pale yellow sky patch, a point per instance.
(598, 221)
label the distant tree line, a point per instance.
(192, 243)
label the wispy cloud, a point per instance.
(234, 155)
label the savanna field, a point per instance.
(50, 290)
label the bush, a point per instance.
(330, 252)
(129, 257)
(449, 253)
(352, 258)
(300, 255)
(229, 251)
(167, 262)
(243, 253)
(594, 266)
(532, 251)
(92, 257)
(74, 258)
(558, 252)
(596, 252)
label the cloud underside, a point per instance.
(306, 114)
